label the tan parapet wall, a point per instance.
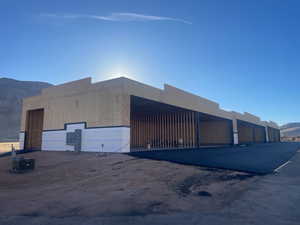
(250, 118)
(174, 96)
(69, 88)
(35, 102)
(273, 124)
(177, 96)
(107, 103)
(103, 106)
(132, 87)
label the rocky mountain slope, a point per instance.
(11, 94)
(290, 130)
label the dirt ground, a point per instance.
(87, 184)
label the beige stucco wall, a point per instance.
(103, 106)
(107, 103)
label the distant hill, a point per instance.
(290, 130)
(11, 94)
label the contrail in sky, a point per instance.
(118, 17)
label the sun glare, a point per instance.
(117, 71)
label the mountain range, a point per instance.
(290, 130)
(11, 94)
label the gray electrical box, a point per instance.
(74, 139)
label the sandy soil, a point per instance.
(87, 184)
(6, 146)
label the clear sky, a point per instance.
(242, 54)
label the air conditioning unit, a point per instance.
(20, 165)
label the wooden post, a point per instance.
(160, 132)
(169, 130)
(189, 129)
(183, 129)
(156, 131)
(173, 129)
(192, 130)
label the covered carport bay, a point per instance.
(250, 133)
(156, 125)
(273, 134)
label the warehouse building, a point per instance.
(123, 115)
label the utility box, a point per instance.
(74, 139)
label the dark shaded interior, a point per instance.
(158, 125)
(273, 134)
(250, 133)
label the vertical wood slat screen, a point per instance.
(164, 130)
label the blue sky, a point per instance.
(242, 54)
